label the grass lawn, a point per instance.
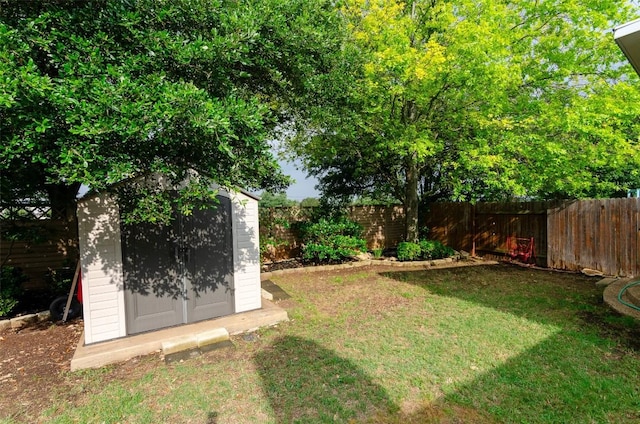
(486, 344)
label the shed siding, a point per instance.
(246, 255)
(101, 259)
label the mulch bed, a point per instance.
(286, 264)
(31, 362)
(293, 263)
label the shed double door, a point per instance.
(178, 273)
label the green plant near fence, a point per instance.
(408, 251)
(11, 280)
(275, 224)
(337, 249)
(433, 249)
(423, 250)
(330, 240)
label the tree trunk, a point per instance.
(62, 199)
(411, 199)
(63, 208)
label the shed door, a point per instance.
(209, 262)
(180, 273)
(152, 277)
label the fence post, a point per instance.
(473, 229)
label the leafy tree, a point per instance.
(97, 92)
(479, 100)
(309, 202)
(271, 200)
(366, 201)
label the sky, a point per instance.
(303, 186)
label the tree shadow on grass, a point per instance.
(585, 370)
(307, 383)
(543, 296)
(550, 383)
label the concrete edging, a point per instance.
(24, 320)
(184, 347)
(610, 297)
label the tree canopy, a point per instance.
(310, 202)
(270, 200)
(474, 100)
(96, 92)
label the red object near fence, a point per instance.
(521, 248)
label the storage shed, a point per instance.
(143, 277)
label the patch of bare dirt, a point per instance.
(35, 370)
(31, 362)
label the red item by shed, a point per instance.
(79, 293)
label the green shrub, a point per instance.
(408, 251)
(433, 249)
(322, 230)
(424, 249)
(314, 252)
(377, 253)
(337, 248)
(328, 240)
(11, 280)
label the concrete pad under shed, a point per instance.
(112, 351)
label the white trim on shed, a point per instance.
(101, 259)
(627, 37)
(246, 253)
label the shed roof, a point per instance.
(628, 38)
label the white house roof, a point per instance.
(628, 38)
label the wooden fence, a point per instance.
(483, 228)
(383, 228)
(383, 225)
(597, 234)
(51, 244)
(572, 235)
